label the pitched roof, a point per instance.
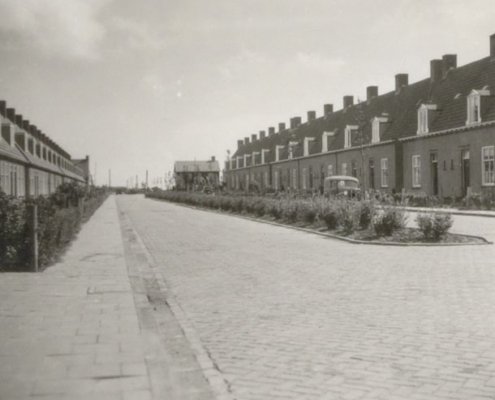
(197, 166)
(449, 94)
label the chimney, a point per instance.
(436, 67)
(253, 138)
(327, 109)
(25, 125)
(3, 108)
(246, 140)
(311, 115)
(281, 126)
(449, 61)
(492, 46)
(371, 91)
(295, 122)
(18, 120)
(239, 143)
(263, 134)
(401, 80)
(212, 158)
(11, 114)
(348, 101)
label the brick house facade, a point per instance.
(433, 137)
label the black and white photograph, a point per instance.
(247, 200)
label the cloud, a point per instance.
(242, 63)
(67, 28)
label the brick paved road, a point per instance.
(290, 315)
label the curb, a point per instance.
(452, 211)
(332, 235)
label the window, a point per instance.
(416, 171)
(384, 172)
(348, 135)
(266, 179)
(372, 173)
(276, 179)
(304, 178)
(424, 117)
(376, 127)
(422, 120)
(487, 165)
(344, 168)
(294, 178)
(473, 108)
(354, 169)
(330, 170)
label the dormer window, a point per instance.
(348, 135)
(263, 157)
(376, 128)
(292, 145)
(277, 152)
(307, 140)
(424, 117)
(474, 100)
(324, 140)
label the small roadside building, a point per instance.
(196, 175)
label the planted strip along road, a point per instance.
(285, 314)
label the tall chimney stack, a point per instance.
(239, 143)
(436, 67)
(492, 46)
(253, 138)
(327, 109)
(246, 140)
(295, 122)
(281, 126)
(401, 80)
(3, 108)
(371, 91)
(262, 135)
(271, 130)
(449, 61)
(11, 114)
(348, 101)
(311, 116)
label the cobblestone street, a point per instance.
(285, 314)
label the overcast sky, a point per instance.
(140, 84)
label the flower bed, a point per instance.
(357, 220)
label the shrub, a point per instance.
(309, 211)
(366, 211)
(259, 207)
(389, 220)
(290, 210)
(434, 226)
(348, 216)
(328, 213)
(275, 209)
(238, 204)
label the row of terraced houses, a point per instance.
(31, 164)
(433, 137)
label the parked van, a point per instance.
(341, 186)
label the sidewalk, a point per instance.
(72, 332)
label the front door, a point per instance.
(465, 171)
(434, 173)
(372, 173)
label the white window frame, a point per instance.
(348, 135)
(424, 118)
(376, 128)
(304, 172)
(324, 140)
(488, 160)
(330, 170)
(416, 170)
(384, 172)
(277, 152)
(306, 145)
(473, 108)
(275, 179)
(294, 178)
(344, 169)
(266, 178)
